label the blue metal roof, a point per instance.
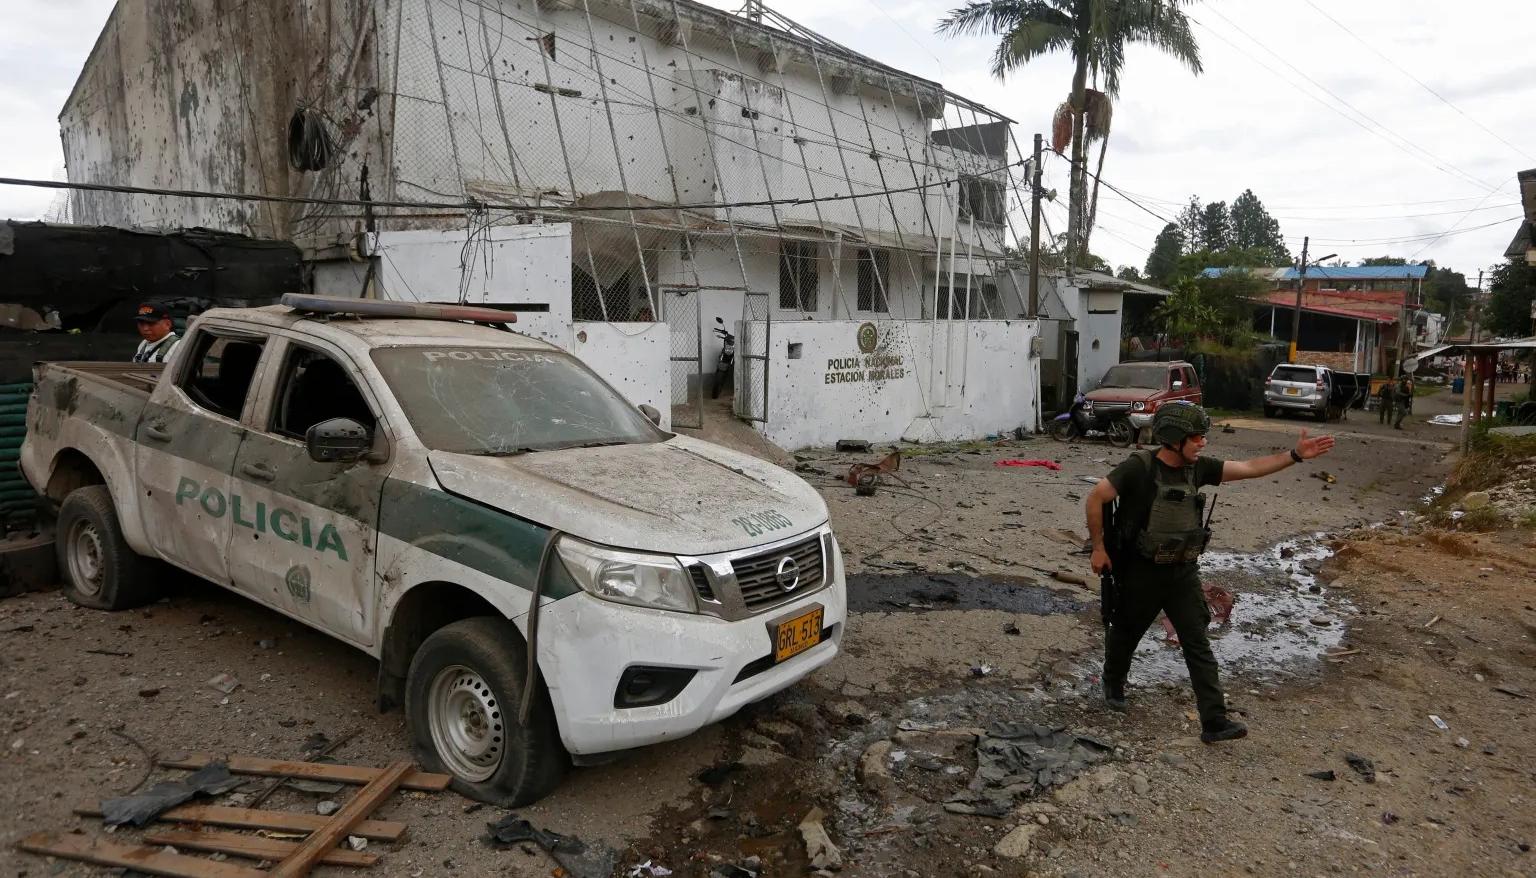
(1364, 272)
(1329, 272)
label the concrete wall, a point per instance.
(1098, 345)
(197, 94)
(924, 381)
(507, 265)
(633, 357)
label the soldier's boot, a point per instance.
(1114, 697)
(1223, 729)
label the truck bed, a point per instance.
(137, 377)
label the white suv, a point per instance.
(1298, 388)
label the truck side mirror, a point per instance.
(338, 440)
(651, 413)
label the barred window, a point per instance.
(981, 200)
(798, 276)
(874, 281)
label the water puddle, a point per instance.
(921, 592)
(1284, 620)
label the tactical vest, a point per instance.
(1175, 531)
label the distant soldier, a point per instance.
(1384, 396)
(1403, 400)
(1147, 554)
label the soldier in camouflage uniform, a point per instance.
(1154, 538)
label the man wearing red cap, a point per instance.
(155, 328)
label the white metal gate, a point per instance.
(683, 316)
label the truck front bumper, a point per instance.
(586, 644)
(1141, 420)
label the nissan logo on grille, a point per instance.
(788, 574)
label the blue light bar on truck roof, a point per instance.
(406, 310)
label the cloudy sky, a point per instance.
(1313, 104)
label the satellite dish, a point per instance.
(1411, 366)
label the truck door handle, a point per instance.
(259, 471)
(157, 433)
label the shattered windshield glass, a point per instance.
(1150, 377)
(476, 400)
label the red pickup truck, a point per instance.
(1135, 390)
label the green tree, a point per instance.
(1163, 261)
(1215, 227)
(1095, 33)
(1383, 260)
(1189, 223)
(1513, 288)
(1184, 315)
(1446, 292)
(1196, 261)
(1130, 273)
(1230, 296)
(1254, 228)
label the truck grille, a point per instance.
(700, 581)
(757, 576)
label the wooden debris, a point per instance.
(252, 847)
(152, 861)
(348, 774)
(311, 850)
(250, 818)
(1431, 622)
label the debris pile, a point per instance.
(1019, 760)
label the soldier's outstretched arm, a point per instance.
(1306, 449)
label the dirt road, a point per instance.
(960, 629)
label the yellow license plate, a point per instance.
(1293, 391)
(797, 635)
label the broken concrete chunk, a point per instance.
(1017, 844)
(224, 683)
(819, 848)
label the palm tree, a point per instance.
(1096, 33)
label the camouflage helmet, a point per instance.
(1177, 421)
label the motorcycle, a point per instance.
(1080, 420)
(724, 368)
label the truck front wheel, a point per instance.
(461, 702)
(100, 570)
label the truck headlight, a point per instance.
(637, 578)
(1138, 406)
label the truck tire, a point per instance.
(461, 703)
(100, 570)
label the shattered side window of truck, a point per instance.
(493, 401)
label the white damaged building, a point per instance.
(620, 172)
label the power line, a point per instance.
(1422, 84)
(1401, 143)
(1415, 238)
(1113, 188)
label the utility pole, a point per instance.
(1301, 284)
(1477, 301)
(1402, 335)
(1035, 178)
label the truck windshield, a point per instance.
(1124, 375)
(476, 400)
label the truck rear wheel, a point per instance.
(100, 570)
(461, 702)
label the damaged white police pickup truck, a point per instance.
(462, 502)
